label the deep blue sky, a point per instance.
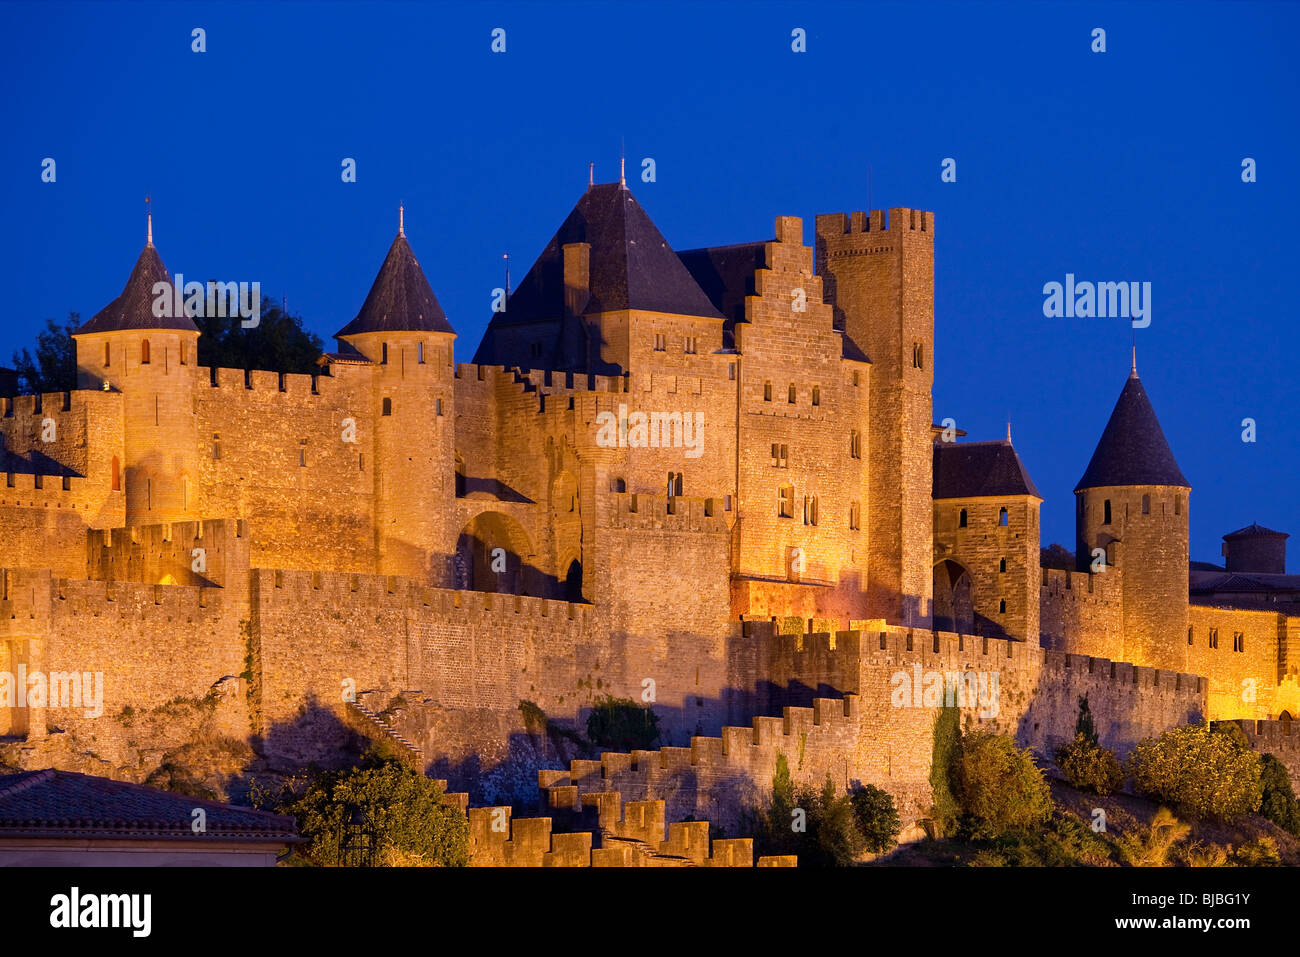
(1117, 166)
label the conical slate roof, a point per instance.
(400, 298)
(1133, 449)
(632, 265)
(133, 309)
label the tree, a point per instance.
(406, 809)
(999, 786)
(1083, 725)
(945, 811)
(621, 724)
(1201, 773)
(54, 367)
(1278, 802)
(1085, 763)
(876, 817)
(818, 827)
(278, 343)
(1057, 556)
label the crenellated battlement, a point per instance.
(298, 587)
(1082, 586)
(892, 221)
(1272, 734)
(292, 384)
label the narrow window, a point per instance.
(117, 475)
(216, 446)
(419, 353)
(961, 519)
(1002, 516)
(437, 404)
(1105, 518)
(1214, 638)
(388, 406)
(182, 352)
(383, 359)
(855, 378)
(785, 501)
(1178, 505)
(854, 516)
(791, 394)
(302, 454)
(817, 395)
(144, 352)
(106, 355)
(1146, 504)
(1238, 641)
(731, 371)
(855, 445)
(785, 456)
(1189, 636)
(767, 392)
(1002, 607)
(1002, 565)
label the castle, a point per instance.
(705, 480)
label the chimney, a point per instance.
(577, 278)
(577, 295)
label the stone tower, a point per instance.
(405, 335)
(144, 345)
(1132, 502)
(879, 275)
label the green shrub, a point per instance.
(818, 827)
(620, 724)
(1065, 842)
(876, 817)
(1261, 852)
(1200, 773)
(1150, 846)
(1090, 767)
(999, 787)
(404, 808)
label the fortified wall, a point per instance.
(879, 727)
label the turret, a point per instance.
(402, 330)
(1134, 494)
(145, 346)
(879, 275)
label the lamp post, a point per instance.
(357, 839)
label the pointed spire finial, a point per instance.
(622, 159)
(1008, 430)
(591, 175)
(149, 217)
(1133, 371)
(506, 257)
(401, 220)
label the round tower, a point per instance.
(1132, 503)
(144, 346)
(404, 333)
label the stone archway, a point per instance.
(494, 554)
(954, 604)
